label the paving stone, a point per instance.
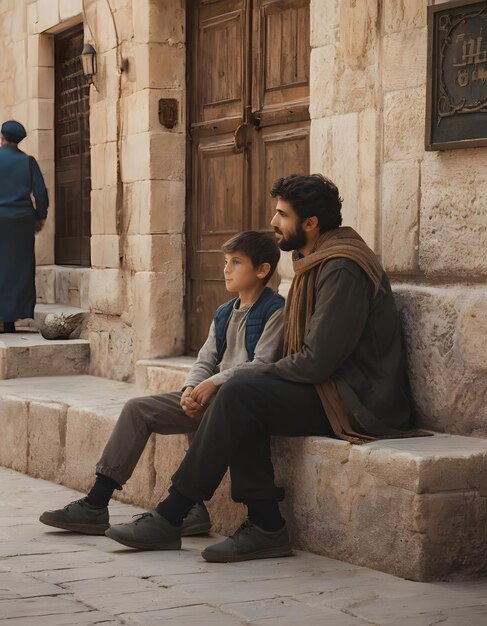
(66, 619)
(194, 615)
(33, 607)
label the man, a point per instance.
(21, 178)
(343, 352)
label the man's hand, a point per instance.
(189, 406)
(204, 393)
(39, 225)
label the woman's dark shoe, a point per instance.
(8, 327)
(250, 542)
(79, 517)
(149, 531)
(196, 522)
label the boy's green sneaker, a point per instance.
(250, 542)
(196, 522)
(79, 517)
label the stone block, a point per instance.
(87, 431)
(46, 284)
(103, 122)
(70, 8)
(44, 246)
(147, 155)
(358, 32)
(105, 251)
(47, 14)
(153, 376)
(400, 216)
(453, 229)
(40, 51)
(169, 451)
(323, 74)
(159, 314)
(14, 428)
(448, 395)
(325, 20)
(105, 294)
(104, 165)
(155, 206)
(404, 120)
(356, 88)
(159, 22)
(41, 82)
(404, 59)
(369, 175)
(154, 253)
(72, 286)
(32, 18)
(104, 212)
(320, 145)
(47, 437)
(344, 164)
(472, 336)
(400, 15)
(111, 341)
(26, 356)
(333, 501)
(41, 114)
(140, 488)
(160, 66)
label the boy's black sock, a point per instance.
(175, 507)
(102, 491)
(265, 514)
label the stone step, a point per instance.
(40, 312)
(26, 354)
(154, 376)
(416, 508)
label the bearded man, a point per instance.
(343, 374)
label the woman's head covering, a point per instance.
(13, 131)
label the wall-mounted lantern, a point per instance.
(88, 59)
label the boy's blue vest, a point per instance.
(268, 303)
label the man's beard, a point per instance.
(294, 242)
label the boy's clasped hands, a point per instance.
(195, 400)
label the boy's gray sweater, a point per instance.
(267, 350)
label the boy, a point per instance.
(245, 329)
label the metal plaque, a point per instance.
(457, 75)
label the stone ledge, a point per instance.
(415, 508)
(154, 376)
(29, 354)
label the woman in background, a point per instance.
(20, 179)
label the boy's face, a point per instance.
(240, 274)
(287, 227)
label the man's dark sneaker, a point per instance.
(250, 542)
(79, 517)
(196, 522)
(149, 531)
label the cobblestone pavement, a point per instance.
(54, 577)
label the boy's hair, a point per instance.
(311, 195)
(259, 247)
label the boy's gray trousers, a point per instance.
(140, 417)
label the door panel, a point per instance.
(72, 139)
(249, 124)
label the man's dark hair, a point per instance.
(311, 195)
(259, 247)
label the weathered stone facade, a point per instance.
(423, 212)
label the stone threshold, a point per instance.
(416, 508)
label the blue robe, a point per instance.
(17, 228)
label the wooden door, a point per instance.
(249, 124)
(72, 141)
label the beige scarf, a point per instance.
(345, 243)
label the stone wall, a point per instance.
(425, 213)
(138, 167)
